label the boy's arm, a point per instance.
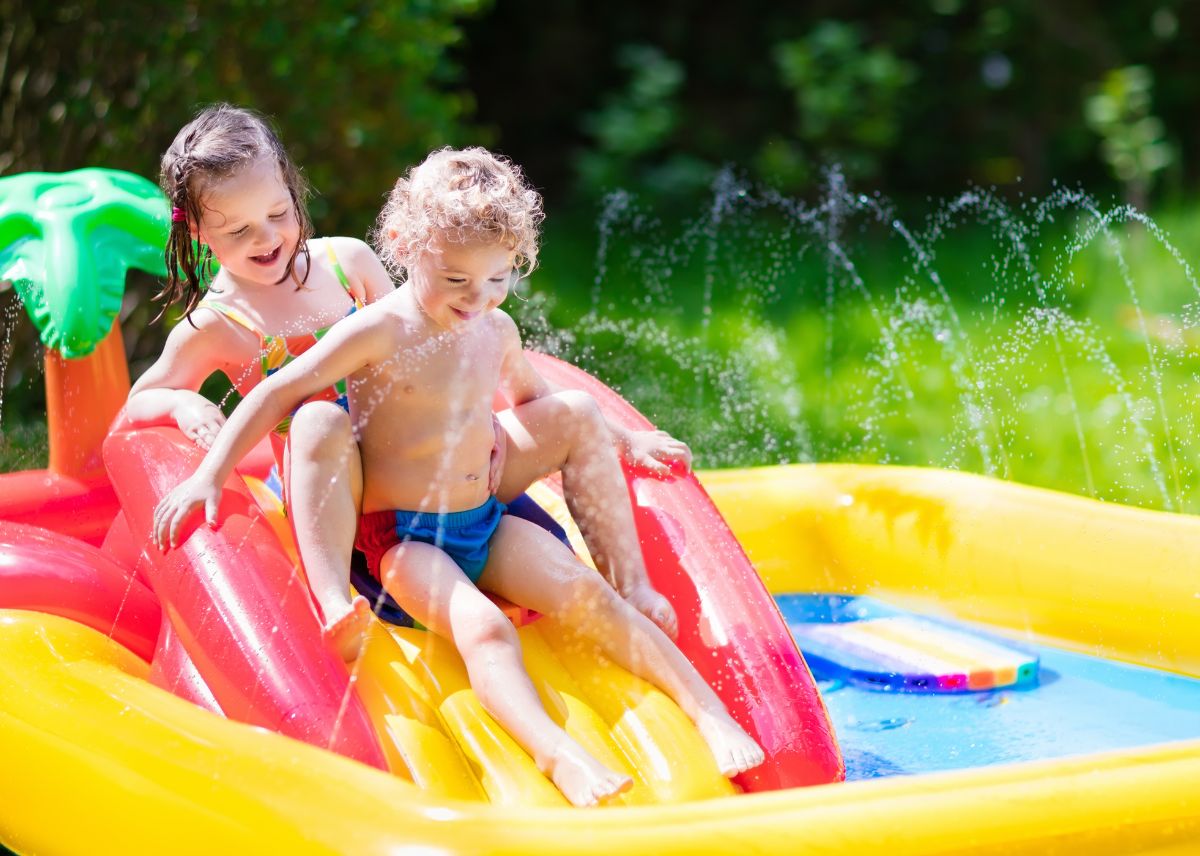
(654, 451)
(351, 344)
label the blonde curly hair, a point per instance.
(459, 195)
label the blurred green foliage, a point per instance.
(848, 97)
(1133, 140)
(929, 95)
(358, 90)
(632, 133)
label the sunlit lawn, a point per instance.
(1063, 390)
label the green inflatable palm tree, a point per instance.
(66, 243)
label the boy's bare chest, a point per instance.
(463, 368)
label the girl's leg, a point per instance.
(433, 589)
(567, 432)
(324, 491)
(532, 568)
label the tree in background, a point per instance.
(633, 131)
(848, 97)
(358, 90)
(1132, 139)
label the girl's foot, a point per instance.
(734, 750)
(646, 600)
(344, 631)
(583, 780)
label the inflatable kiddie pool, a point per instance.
(84, 732)
(226, 623)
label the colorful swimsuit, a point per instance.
(278, 351)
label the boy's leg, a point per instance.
(431, 588)
(567, 432)
(324, 491)
(531, 568)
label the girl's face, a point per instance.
(249, 222)
(457, 283)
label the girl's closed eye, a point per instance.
(280, 215)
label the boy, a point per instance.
(425, 364)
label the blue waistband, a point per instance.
(450, 519)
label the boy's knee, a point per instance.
(319, 425)
(584, 411)
(485, 627)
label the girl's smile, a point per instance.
(249, 222)
(268, 259)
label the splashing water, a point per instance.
(1042, 340)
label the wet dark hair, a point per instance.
(220, 142)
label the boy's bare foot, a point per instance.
(583, 780)
(345, 631)
(734, 749)
(646, 600)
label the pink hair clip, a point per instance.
(178, 215)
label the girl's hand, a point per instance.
(657, 452)
(175, 508)
(499, 451)
(199, 419)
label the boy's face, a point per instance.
(250, 224)
(455, 284)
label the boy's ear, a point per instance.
(392, 233)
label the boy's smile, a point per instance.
(457, 283)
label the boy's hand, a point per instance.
(175, 508)
(499, 452)
(657, 452)
(198, 419)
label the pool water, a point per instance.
(1079, 705)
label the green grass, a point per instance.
(23, 446)
(1058, 372)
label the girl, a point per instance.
(237, 195)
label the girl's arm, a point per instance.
(350, 345)
(364, 268)
(654, 451)
(167, 392)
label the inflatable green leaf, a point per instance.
(67, 241)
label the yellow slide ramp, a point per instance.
(437, 735)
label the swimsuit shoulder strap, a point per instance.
(232, 314)
(341, 274)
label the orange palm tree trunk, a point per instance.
(82, 399)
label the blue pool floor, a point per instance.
(1079, 705)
